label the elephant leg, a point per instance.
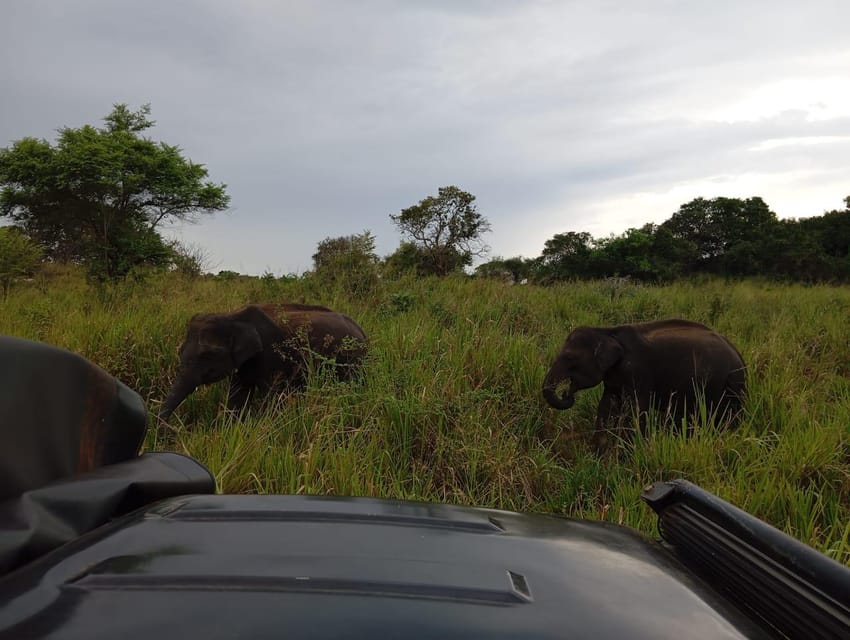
(637, 406)
(239, 395)
(731, 401)
(606, 421)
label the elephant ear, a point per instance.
(608, 352)
(245, 344)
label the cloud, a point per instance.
(325, 117)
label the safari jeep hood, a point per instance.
(296, 566)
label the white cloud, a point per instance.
(775, 143)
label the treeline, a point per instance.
(98, 196)
(729, 237)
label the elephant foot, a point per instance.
(600, 442)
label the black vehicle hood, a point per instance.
(298, 566)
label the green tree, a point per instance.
(519, 268)
(348, 260)
(832, 231)
(408, 258)
(650, 253)
(446, 229)
(566, 256)
(494, 269)
(345, 252)
(516, 269)
(813, 249)
(98, 195)
(19, 257)
(715, 226)
(791, 252)
(629, 254)
(672, 256)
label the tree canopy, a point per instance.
(723, 236)
(447, 230)
(345, 252)
(98, 195)
(730, 237)
(514, 270)
(349, 261)
(717, 226)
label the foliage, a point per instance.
(348, 261)
(649, 254)
(188, 259)
(133, 246)
(98, 195)
(446, 228)
(566, 256)
(514, 270)
(345, 252)
(449, 407)
(494, 269)
(409, 259)
(19, 257)
(724, 236)
(716, 226)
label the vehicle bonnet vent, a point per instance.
(791, 588)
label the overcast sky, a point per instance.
(323, 117)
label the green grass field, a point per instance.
(450, 409)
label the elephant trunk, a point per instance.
(180, 390)
(550, 385)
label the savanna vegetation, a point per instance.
(449, 406)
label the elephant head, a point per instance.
(583, 362)
(215, 346)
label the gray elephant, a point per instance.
(666, 365)
(263, 347)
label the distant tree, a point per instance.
(348, 260)
(626, 255)
(650, 253)
(407, 259)
(566, 256)
(345, 252)
(519, 268)
(446, 228)
(19, 257)
(728, 236)
(790, 252)
(832, 231)
(812, 249)
(98, 195)
(715, 226)
(189, 259)
(494, 269)
(672, 257)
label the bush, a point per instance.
(19, 257)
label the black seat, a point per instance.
(70, 435)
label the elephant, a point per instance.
(264, 347)
(665, 364)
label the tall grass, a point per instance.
(449, 405)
